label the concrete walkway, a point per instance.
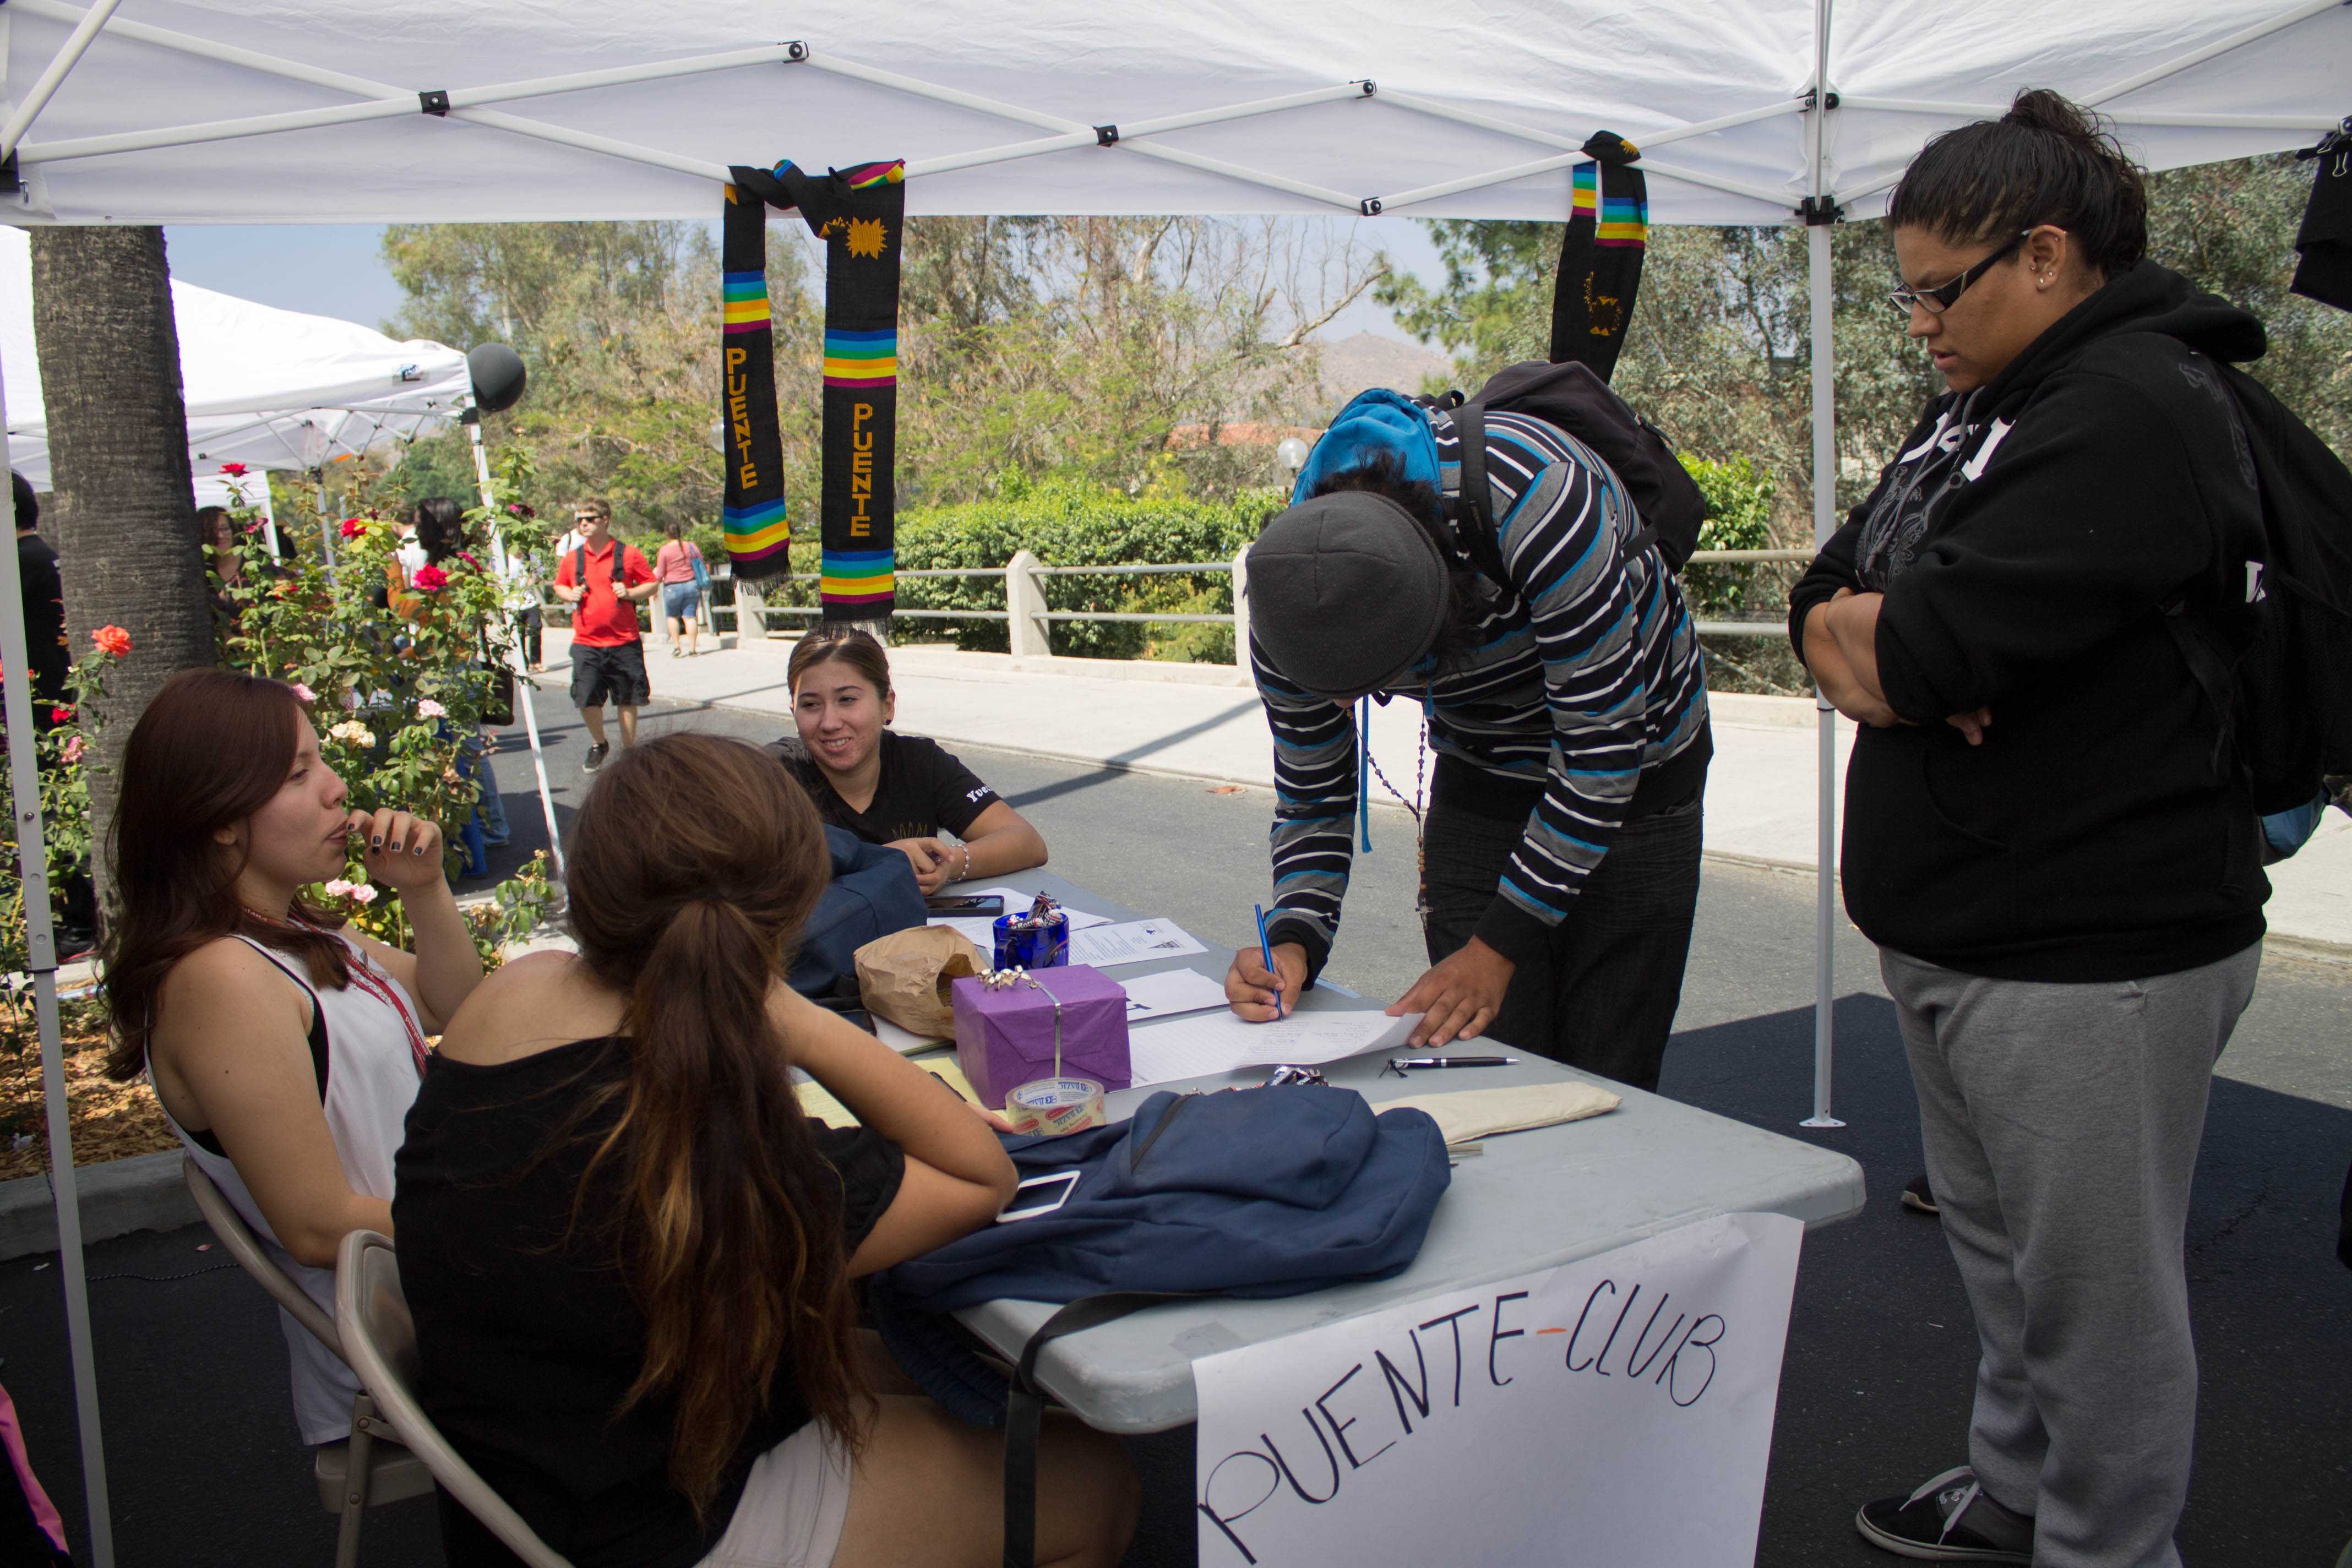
(1203, 722)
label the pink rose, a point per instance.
(74, 748)
(428, 709)
(305, 693)
(363, 894)
(340, 887)
(467, 557)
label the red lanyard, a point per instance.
(382, 990)
(355, 965)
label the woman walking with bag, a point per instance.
(679, 567)
(2044, 833)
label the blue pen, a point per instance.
(1265, 951)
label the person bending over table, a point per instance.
(889, 788)
(1560, 676)
(285, 1051)
(629, 1255)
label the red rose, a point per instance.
(60, 715)
(352, 528)
(112, 641)
(467, 557)
(234, 470)
(428, 578)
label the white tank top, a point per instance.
(368, 1074)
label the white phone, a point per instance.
(1031, 1198)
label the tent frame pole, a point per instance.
(2155, 119)
(41, 949)
(523, 685)
(85, 33)
(1819, 212)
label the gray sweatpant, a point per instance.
(2062, 1125)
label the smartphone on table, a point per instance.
(965, 903)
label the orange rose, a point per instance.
(112, 641)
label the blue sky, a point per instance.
(335, 269)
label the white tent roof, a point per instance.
(1465, 92)
(269, 388)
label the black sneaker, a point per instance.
(1916, 1194)
(1949, 1520)
(597, 755)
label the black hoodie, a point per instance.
(2031, 540)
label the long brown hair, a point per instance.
(213, 748)
(694, 861)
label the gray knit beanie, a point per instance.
(1345, 592)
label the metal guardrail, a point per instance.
(761, 609)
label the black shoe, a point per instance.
(1949, 1520)
(1917, 1195)
(597, 755)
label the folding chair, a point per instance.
(380, 1338)
(355, 1474)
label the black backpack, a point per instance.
(2286, 701)
(1571, 397)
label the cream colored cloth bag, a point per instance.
(1467, 1115)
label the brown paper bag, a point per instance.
(904, 977)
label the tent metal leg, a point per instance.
(523, 688)
(40, 945)
(1817, 239)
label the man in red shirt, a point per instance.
(605, 581)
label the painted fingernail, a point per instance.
(418, 850)
(376, 842)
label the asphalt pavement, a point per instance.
(206, 1470)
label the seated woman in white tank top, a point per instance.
(285, 1051)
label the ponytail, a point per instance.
(731, 1232)
(2047, 161)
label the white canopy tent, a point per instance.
(441, 110)
(265, 387)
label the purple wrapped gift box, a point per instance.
(1005, 1037)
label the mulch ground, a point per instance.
(110, 1121)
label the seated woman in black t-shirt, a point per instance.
(888, 788)
(628, 1255)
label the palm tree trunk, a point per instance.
(126, 516)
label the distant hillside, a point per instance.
(1368, 359)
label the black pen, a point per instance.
(1403, 1064)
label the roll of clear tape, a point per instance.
(1054, 1106)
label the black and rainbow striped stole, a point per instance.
(1601, 255)
(860, 213)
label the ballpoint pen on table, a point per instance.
(1401, 1065)
(1265, 952)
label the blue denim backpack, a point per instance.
(1255, 1192)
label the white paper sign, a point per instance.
(1613, 1411)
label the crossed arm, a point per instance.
(1841, 648)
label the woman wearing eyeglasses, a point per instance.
(2042, 834)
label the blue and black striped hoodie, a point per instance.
(1578, 701)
